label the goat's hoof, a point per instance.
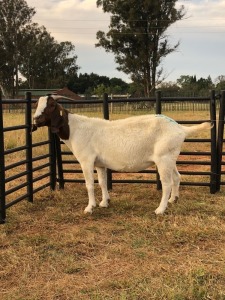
(159, 211)
(173, 200)
(104, 204)
(88, 210)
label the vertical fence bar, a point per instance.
(2, 167)
(29, 156)
(106, 117)
(158, 110)
(60, 178)
(213, 177)
(52, 159)
(220, 138)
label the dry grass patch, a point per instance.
(51, 250)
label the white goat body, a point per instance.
(127, 145)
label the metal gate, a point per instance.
(59, 160)
(22, 174)
(220, 143)
(66, 165)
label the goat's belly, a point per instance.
(128, 166)
(134, 168)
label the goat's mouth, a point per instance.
(36, 125)
(34, 128)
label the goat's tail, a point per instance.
(195, 128)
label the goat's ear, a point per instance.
(56, 120)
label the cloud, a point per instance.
(201, 34)
(73, 20)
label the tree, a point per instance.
(192, 86)
(118, 86)
(100, 90)
(47, 63)
(137, 37)
(14, 17)
(87, 84)
(220, 82)
(204, 85)
(30, 50)
(5, 80)
(169, 88)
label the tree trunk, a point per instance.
(4, 92)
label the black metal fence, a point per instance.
(207, 177)
(20, 170)
(220, 144)
(55, 164)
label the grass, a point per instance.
(50, 250)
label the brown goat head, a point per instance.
(50, 113)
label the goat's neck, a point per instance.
(64, 130)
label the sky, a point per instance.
(201, 35)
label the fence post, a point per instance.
(220, 138)
(29, 156)
(158, 110)
(2, 167)
(59, 162)
(213, 177)
(52, 159)
(106, 117)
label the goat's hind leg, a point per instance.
(175, 187)
(165, 169)
(102, 180)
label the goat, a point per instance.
(126, 145)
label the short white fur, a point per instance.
(42, 103)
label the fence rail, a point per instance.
(57, 165)
(126, 106)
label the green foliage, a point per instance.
(47, 63)
(194, 86)
(220, 83)
(94, 84)
(15, 16)
(31, 50)
(100, 90)
(190, 85)
(86, 83)
(170, 88)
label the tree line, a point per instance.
(185, 85)
(137, 38)
(190, 85)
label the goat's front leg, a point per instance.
(102, 180)
(89, 180)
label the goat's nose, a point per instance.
(36, 118)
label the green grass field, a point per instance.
(51, 250)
